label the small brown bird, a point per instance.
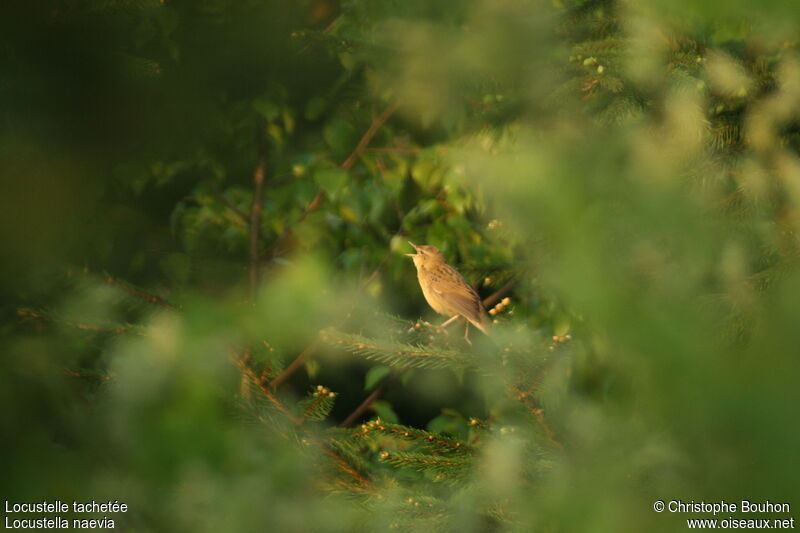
(446, 291)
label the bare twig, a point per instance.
(369, 400)
(379, 121)
(244, 217)
(259, 177)
(499, 293)
(294, 365)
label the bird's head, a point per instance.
(426, 255)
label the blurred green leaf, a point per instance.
(340, 135)
(385, 411)
(267, 107)
(315, 107)
(332, 180)
(375, 375)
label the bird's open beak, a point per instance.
(415, 247)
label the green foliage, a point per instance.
(620, 177)
(397, 354)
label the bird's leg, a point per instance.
(449, 321)
(466, 333)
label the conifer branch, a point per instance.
(130, 289)
(256, 380)
(319, 404)
(118, 330)
(396, 354)
(361, 482)
(526, 398)
(414, 434)
(442, 467)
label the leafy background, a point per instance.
(206, 206)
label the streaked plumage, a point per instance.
(445, 289)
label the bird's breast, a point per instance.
(439, 304)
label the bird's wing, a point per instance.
(466, 302)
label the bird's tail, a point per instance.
(483, 323)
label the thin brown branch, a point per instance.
(368, 401)
(312, 206)
(379, 121)
(259, 177)
(499, 294)
(294, 365)
(244, 217)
